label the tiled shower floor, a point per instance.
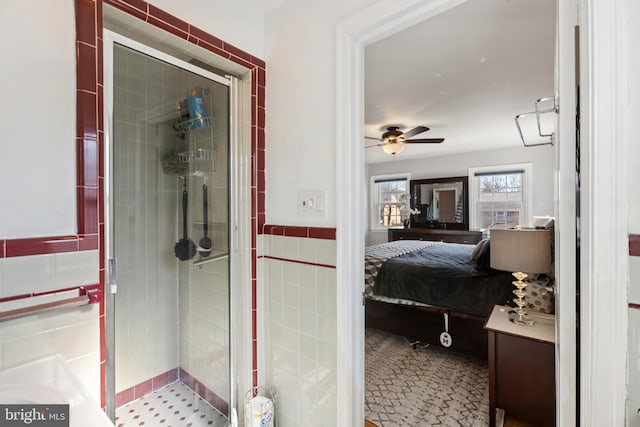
(174, 405)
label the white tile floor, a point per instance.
(174, 405)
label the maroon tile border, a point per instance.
(201, 390)
(327, 233)
(84, 289)
(146, 387)
(634, 305)
(315, 264)
(40, 246)
(634, 244)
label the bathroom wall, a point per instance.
(66, 257)
(300, 323)
(37, 170)
(72, 332)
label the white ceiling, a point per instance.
(465, 74)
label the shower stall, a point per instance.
(167, 228)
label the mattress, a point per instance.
(434, 274)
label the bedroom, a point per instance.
(475, 117)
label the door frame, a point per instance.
(381, 20)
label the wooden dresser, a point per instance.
(440, 235)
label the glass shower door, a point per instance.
(168, 198)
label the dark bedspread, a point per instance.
(442, 276)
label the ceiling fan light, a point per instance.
(393, 148)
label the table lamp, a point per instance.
(521, 251)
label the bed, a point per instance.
(421, 289)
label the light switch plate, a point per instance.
(311, 201)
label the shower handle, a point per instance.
(113, 275)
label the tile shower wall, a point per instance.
(146, 219)
(300, 327)
(204, 288)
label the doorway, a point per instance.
(353, 35)
(168, 241)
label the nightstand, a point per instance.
(522, 368)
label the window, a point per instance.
(500, 196)
(389, 200)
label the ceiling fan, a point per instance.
(393, 140)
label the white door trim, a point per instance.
(604, 248)
(381, 20)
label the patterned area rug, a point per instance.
(428, 386)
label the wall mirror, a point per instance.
(442, 202)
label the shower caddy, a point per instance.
(195, 156)
(195, 133)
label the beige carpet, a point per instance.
(425, 387)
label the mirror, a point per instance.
(442, 202)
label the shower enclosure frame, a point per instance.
(238, 225)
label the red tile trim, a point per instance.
(152, 384)
(86, 67)
(103, 380)
(83, 290)
(163, 16)
(124, 397)
(634, 305)
(205, 393)
(3, 243)
(326, 233)
(40, 245)
(85, 22)
(634, 244)
(315, 264)
(143, 388)
(139, 12)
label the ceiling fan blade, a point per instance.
(415, 131)
(424, 141)
(370, 137)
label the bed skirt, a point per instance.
(427, 323)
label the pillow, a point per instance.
(482, 260)
(476, 251)
(539, 298)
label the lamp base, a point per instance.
(520, 318)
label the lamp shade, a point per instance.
(524, 250)
(393, 147)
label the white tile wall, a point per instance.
(633, 369)
(300, 329)
(318, 251)
(71, 332)
(42, 273)
(204, 324)
(634, 279)
(146, 220)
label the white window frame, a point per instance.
(527, 187)
(373, 197)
